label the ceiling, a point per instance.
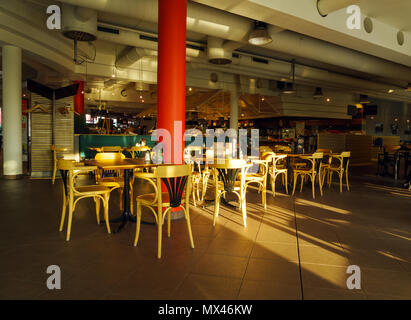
(396, 13)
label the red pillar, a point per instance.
(79, 97)
(171, 74)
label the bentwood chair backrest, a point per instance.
(345, 159)
(112, 149)
(110, 156)
(228, 172)
(265, 149)
(315, 160)
(177, 180)
(280, 148)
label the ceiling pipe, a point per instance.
(221, 24)
(220, 51)
(131, 55)
(200, 18)
(132, 38)
(327, 6)
(302, 46)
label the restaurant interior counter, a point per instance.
(86, 141)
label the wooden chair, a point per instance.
(136, 150)
(277, 169)
(264, 149)
(259, 178)
(112, 149)
(326, 162)
(54, 149)
(225, 181)
(340, 168)
(311, 172)
(115, 182)
(73, 193)
(282, 149)
(177, 179)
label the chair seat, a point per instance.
(303, 171)
(111, 182)
(252, 176)
(148, 198)
(237, 185)
(333, 168)
(277, 170)
(93, 189)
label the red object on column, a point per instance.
(79, 97)
(171, 74)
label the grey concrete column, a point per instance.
(12, 129)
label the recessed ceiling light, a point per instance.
(328, 99)
(391, 91)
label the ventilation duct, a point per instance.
(79, 23)
(218, 23)
(327, 6)
(131, 55)
(216, 53)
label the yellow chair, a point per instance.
(282, 149)
(340, 168)
(196, 179)
(311, 172)
(135, 149)
(55, 158)
(177, 179)
(116, 182)
(112, 149)
(225, 181)
(326, 162)
(259, 178)
(264, 149)
(277, 169)
(73, 193)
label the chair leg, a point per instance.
(54, 172)
(346, 180)
(159, 232)
(97, 201)
(70, 218)
(286, 182)
(264, 195)
(106, 207)
(319, 183)
(302, 182)
(138, 223)
(131, 197)
(63, 212)
(120, 190)
(294, 182)
(190, 234)
(273, 178)
(341, 179)
(216, 208)
(244, 210)
(168, 224)
(194, 195)
(313, 185)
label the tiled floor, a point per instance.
(298, 248)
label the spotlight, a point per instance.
(259, 36)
